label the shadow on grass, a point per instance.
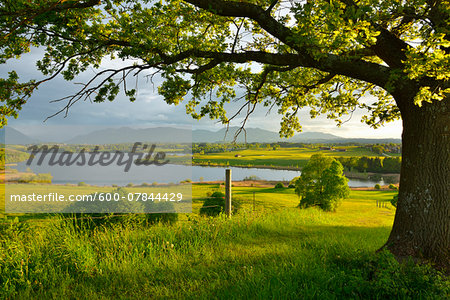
(315, 269)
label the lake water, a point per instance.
(114, 174)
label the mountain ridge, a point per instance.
(177, 135)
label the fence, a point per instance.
(382, 203)
(227, 201)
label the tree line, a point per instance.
(371, 164)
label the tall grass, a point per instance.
(285, 253)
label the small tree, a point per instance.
(279, 185)
(322, 183)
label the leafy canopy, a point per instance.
(324, 55)
(322, 183)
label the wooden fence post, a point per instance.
(228, 192)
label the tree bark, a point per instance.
(422, 221)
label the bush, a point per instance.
(215, 204)
(164, 218)
(90, 214)
(291, 186)
(251, 178)
(393, 187)
(394, 201)
(393, 280)
(163, 212)
(82, 183)
(38, 178)
(279, 185)
(377, 186)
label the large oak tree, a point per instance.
(326, 55)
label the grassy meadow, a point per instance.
(294, 157)
(273, 251)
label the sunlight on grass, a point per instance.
(282, 157)
(277, 251)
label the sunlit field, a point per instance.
(269, 249)
(282, 157)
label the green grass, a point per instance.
(277, 251)
(282, 157)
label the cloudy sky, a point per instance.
(148, 110)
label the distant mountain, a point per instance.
(251, 135)
(130, 135)
(313, 137)
(173, 135)
(367, 141)
(13, 136)
(256, 135)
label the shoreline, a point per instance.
(350, 175)
(237, 183)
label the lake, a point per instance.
(114, 174)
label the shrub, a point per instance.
(38, 178)
(82, 183)
(43, 178)
(251, 178)
(215, 204)
(119, 212)
(394, 200)
(393, 187)
(89, 214)
(279, 185)
(164, 218)
(130, 184)
(162, 212)
(377, 186)
(291, 186)
(393, 280)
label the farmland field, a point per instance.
(294, 157)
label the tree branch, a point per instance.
(388, 47)
(358, 69)
(271, 6)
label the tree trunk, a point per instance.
(422, 221)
